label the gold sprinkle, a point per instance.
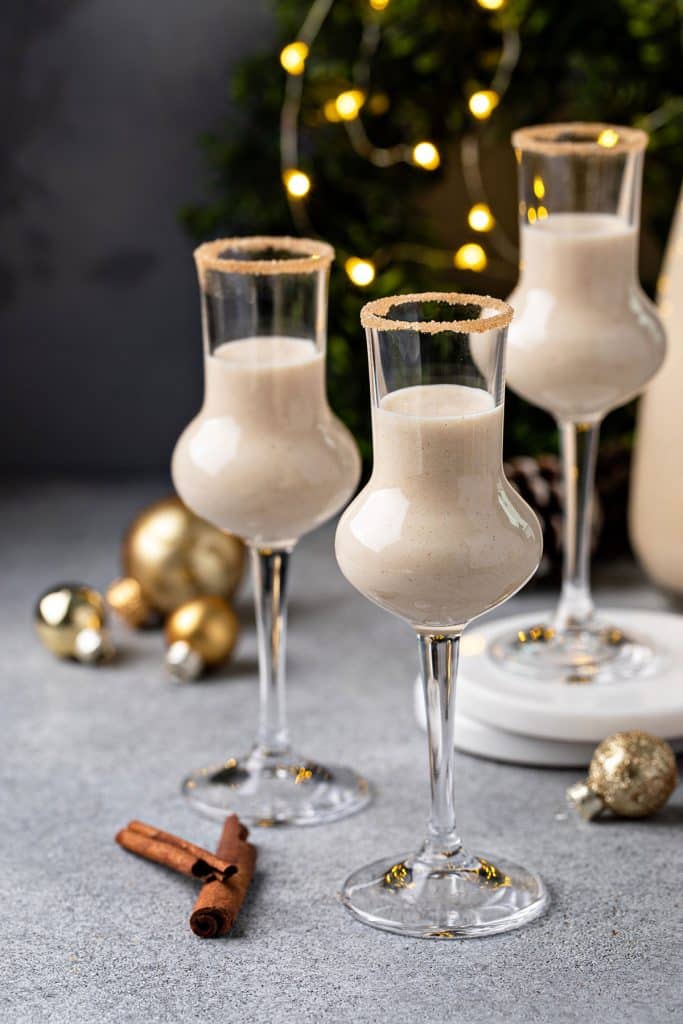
(399, 876)
(491, 875)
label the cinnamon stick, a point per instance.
(173, 852)
(219, 902)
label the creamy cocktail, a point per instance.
(438, 537)
(579, 345)
(584, 340)
(266, 459)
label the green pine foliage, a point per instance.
(615, 60)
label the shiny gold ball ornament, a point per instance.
(175, 556)
(70, 619)
(125, 597)
(632, 774)
(200, 633)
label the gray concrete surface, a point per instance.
(91, 934)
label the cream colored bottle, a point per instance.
(656, 501)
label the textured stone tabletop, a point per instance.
(89, 933)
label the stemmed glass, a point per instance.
(584, 340)
(438, 536)
(267, 460)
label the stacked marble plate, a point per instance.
(505, 717)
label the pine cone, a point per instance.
(539, 481)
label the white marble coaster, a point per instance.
(504, 716)
(583, 712)
(500, 745)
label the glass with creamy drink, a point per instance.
(266, 459)
(584, 340)
(438, 536)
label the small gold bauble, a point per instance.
(70, 619)
(175, 556)
(125, 597)
(633, 773)
(199, 634)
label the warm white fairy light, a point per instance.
(378, 103)
(426, 155)
(361, 272)
(483, 103)
(348, 104)
(297, 183)
(608, 138)
(330, 111)
(293, 57)
(539, 187)
(471, 256)
(347, 108)
(480, 217)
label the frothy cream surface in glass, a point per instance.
(578, 345)
(265, 458)
(438, 535)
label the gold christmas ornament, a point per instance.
(175, 556)
(125, 597)
(632, 774)
(70, 619)
(200, 633)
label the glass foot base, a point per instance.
(599, 653)
(463, 898)
(285, 790)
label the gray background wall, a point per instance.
(101, 105)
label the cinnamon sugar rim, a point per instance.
(374, 314)
(546, 138)
(308, 255)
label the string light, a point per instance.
(293, 57)
(330, 111)
(541, 213)
(531, 215)
(608, 138)
(361, 272)
(297, 183)
(378, 103)
(480, 217)
(348, 104)
(470, 257)
(425, 154)
(539, 187)
(482, 103)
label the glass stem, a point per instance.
(439, 665)
(270, 577)
(579, 447)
